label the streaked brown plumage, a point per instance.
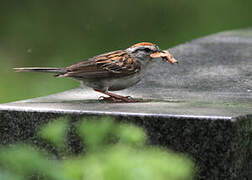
(117, 64)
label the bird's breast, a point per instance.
(114, 84)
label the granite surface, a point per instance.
(202, 106)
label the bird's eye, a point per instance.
(147, 50)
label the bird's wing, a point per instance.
(113, 64)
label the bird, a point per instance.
(111, 71)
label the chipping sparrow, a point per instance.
(111, 71)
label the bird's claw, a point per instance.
(108, 99)
(127, 99)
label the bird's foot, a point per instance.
(107, 99)
(127, 99)
(115, 97)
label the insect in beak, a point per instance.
(165, 55)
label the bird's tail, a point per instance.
(57, 71)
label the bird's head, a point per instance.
(149, 51)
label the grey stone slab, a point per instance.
(202, 106)
(79, 101)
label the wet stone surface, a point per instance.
(202, 106)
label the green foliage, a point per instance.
(113, 151)
(95, 134)
(131, 135)
(55, 132)
(23, 161)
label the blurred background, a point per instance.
(60, 33)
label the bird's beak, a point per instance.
(165, 55)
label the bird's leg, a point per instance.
(115, 97)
